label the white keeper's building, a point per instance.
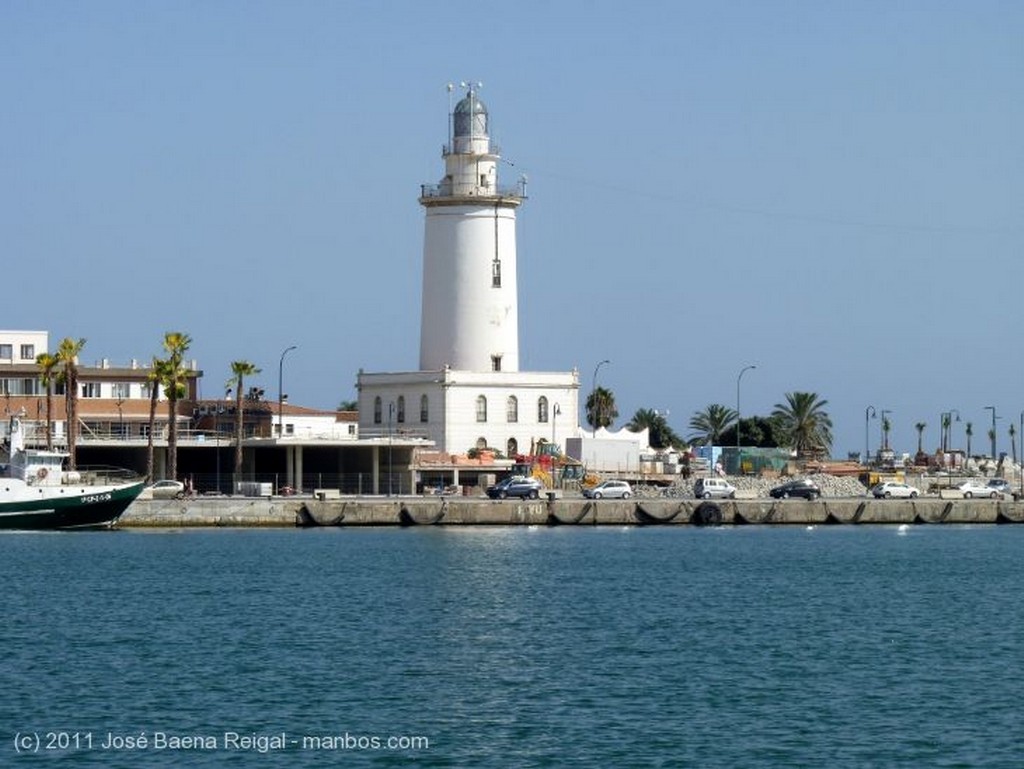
(469, 392)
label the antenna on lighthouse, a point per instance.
(451, 117)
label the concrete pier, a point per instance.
(460, 511)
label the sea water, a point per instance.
(842, 646)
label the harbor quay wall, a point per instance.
(458, 511)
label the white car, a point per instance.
(609, 490)
(166, 490)
(708, 488)
(979, 489)
(891, 489)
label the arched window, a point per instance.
(377, 410)
(481, 408)
(513, 447)
(481, 442)
(401, 408)
(424, 409)
(542, 409)
(512, 409)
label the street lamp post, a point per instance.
(597, 402)
(738, 378)
(391, 413)
(280, 392)
(993, 410)
(869, 413)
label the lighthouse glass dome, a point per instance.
(470, 117)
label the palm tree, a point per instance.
(176, 344)
(1013, 441)
(660, 435)
(920, 434)
(47, 364)
(968, 431)
(67, 354)
(886, 429)
(239, 370)
(710, 423)
(805, 424)
(155, 378)
(601, 411)
(348, 406)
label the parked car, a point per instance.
(708, 488)
(1003, 487)
(516, 486)
(978, 489)
(166, 490)
(894, 489)
(609, 490)
(801, 488)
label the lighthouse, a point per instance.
(469, 393)
(470, 314)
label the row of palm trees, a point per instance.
(800, 423)
(167, 373)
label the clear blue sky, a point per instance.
(829, 190)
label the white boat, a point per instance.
(36, 492)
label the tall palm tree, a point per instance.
(660, 435)
(47, 365)
(968, 431)
(920, 434)
(67, 354)
(176, 344)
(805, 424)
(886, 429)
(710, 423)
(239, 370)
(155, 378)
(1013, 441)
(601, 410)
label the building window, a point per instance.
(512, 446)
(424, 409)
(481, 408)
(496, 273)
(542, 409)
(401, 409)
(495, 363)
(6, 351)
(512, 409)
(91, 390)
(121, 390)
(481, 442)
(28, 352)
(351, 429)
(377, 410)
(289, 428)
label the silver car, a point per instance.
(978, 489)
(609, 490)
(891, 489)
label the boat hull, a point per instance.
(85, 508)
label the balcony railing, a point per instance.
(446, 190)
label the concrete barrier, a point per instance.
(460, 511)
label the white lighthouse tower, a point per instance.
(470, 317)
(469, 392)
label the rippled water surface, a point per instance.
(515, 647)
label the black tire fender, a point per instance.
(707, 514)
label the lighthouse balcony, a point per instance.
(454, 190)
